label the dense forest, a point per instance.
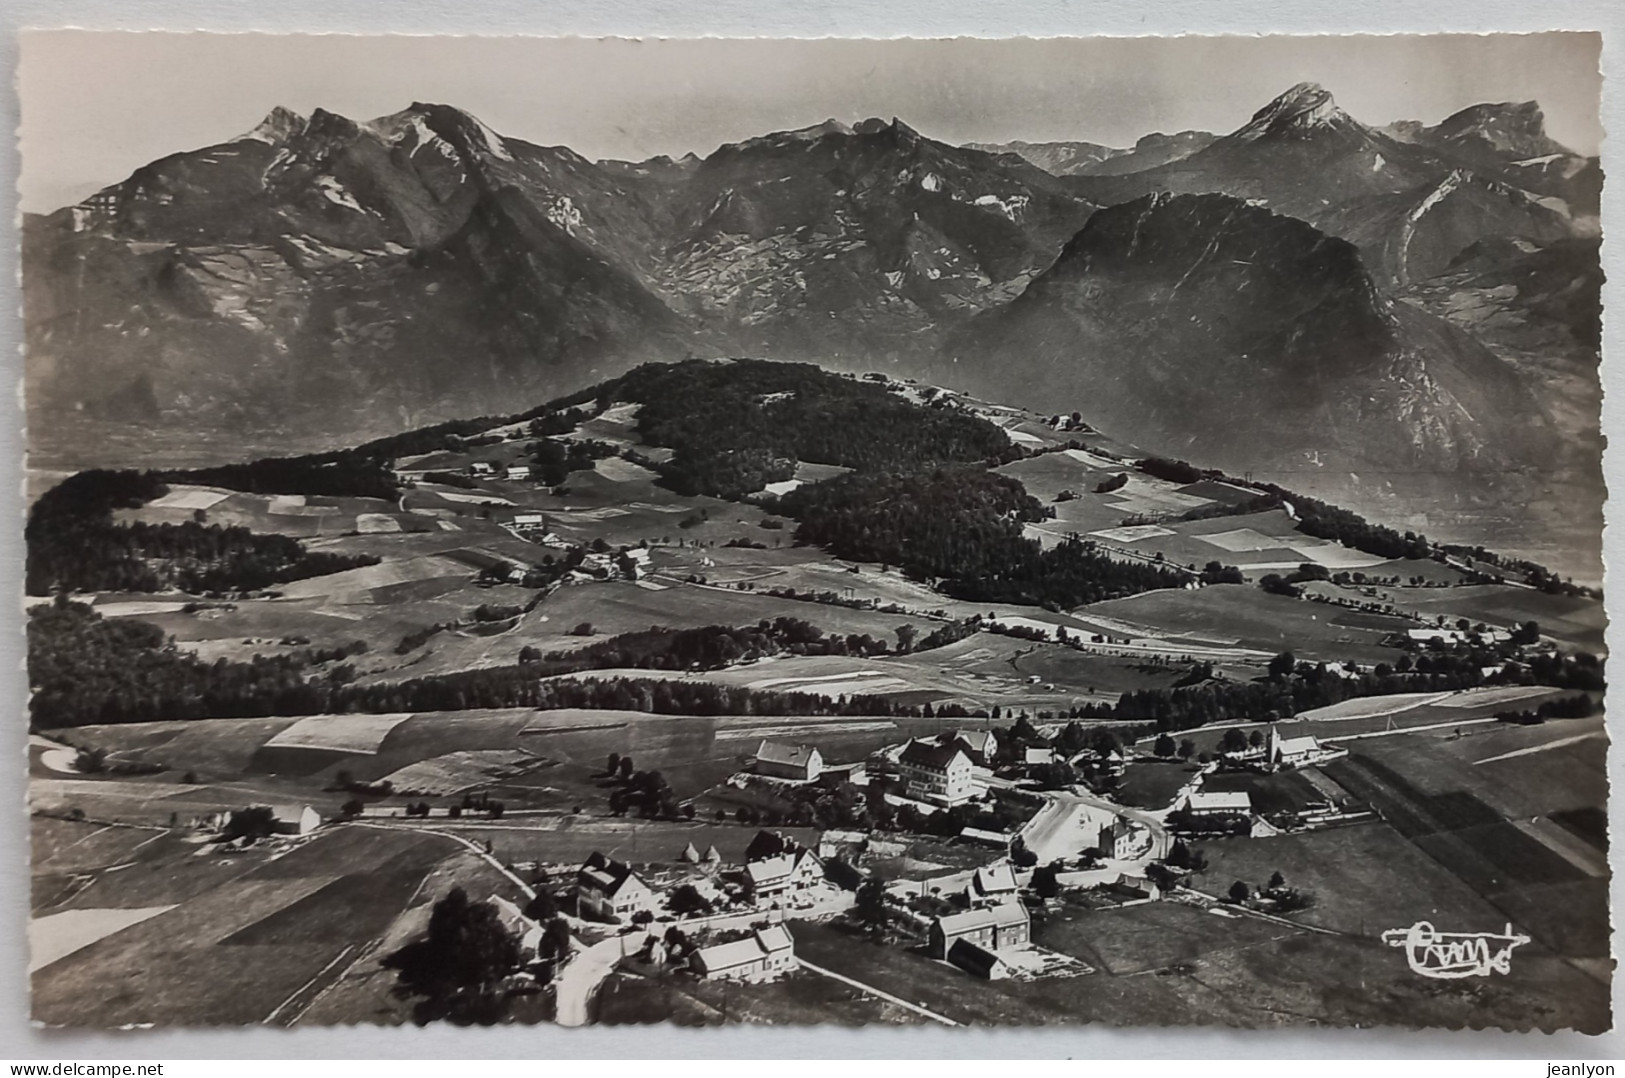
(709, 647)
(85, 669)
(739, 425)
(962, 526)
(74, 544)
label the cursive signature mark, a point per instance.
(1449, 955)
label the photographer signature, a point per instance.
(1449, 955)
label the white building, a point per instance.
(610, 889)
(802, 763)
(766, 954)
(1202, 803)
(938, 773)
(787, 874)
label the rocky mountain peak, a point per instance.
(279, 125)
(1302, 111)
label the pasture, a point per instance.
(160, 932)
(1237, 615)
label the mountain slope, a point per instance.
(1303, 156)
(1221, 331)
(295, 273)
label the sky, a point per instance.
(96, 106)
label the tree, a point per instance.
(906, 635)
(870, 904)
(686, 899)
(1045, 881)
(626, 768)
(1165, 747)
(459, 967)
(613, 764)
(1239, 892)
(1255, 740)
(542, 908)
(1277, 881)
(1187, 749)
(1233, 741)
(1282, 666)
(353, 808)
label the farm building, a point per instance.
(295, 819)
(765, 954)
(978, 960)
(994, 927)
(991, 883)
(986, 838)
(482, 468)
(1217, 804)
(940, 773)
(834, 774)
(529, 521)
(518, 471)
(786, 874)
(610, 889)
(802, 763)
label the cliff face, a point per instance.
(1205, 326)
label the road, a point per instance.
(578, 981)
(1058, 830)
(873, 991)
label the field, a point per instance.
(1575, 621)
(801, 998)
(1230, 615)
(1219, 971)
(160, 931)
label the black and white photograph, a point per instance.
(939, 532)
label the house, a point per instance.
(518, 471)
(527, 932)
(1202, 803)
(978, 960)
(294, 819)
(979, 745)
(802, 763)
(991, 883)
(482, 468)
(785, 875)
(1037, 756)
(765, 954)
(993, 927)
(939, 773)
(611, 890)
(529, 521)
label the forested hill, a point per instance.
(736, 426)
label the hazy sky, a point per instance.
(96, 106)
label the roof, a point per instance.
(973, 958)
(770, 868)
(933, 757)
(1222, 802)
(981, 741)
(994, 879)
(754, 948)
(606, 874)
(1298, 744)
(1038, 755)
(772, 752)
(1003, 915)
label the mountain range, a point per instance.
(1305, 295)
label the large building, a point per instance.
(993, 928)
(802, 763)
(765, 954)
(937, 773)
(789, 873)
(609, 889)
(1202, 803)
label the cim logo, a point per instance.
(1450, 955)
